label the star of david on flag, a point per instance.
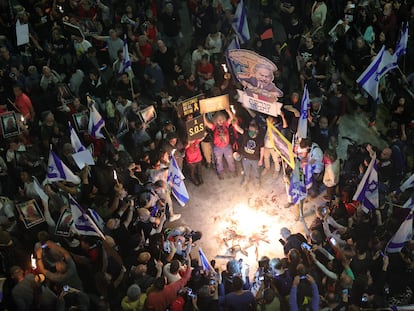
(176, 180)
(302, 131)
(367, 192)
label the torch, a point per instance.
(227, 75)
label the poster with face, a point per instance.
(148, 114)
(30, 213)
(64, 95)
(81, 120)
(9, 125)
(64, 223)
(256, 74)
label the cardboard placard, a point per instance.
(64, 223)
(22, 33)
(257, 104)
(73, 30)
(81, 120)
(281, 145)
(9, 125)
(31, 213)
(188, 106)
(214, 103)
(195, 128)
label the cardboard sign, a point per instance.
(195, 128)
(188, 106)
(257, 104)
(22, 33)
(9, 125)
(147, 115)
(73, 30)
(214, 103)
(31, 213)
(281, 145)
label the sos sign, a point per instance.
(195, 128)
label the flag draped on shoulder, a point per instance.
(96, 122)
(302, 131)
(297, 187)
(367, 192)
(401, 47)
(75, 141)
(403, 234)
(82, 222)
(382, 63)
(57, 170)
(176, 180)
(126, 61)
(239, 24)
(205, 264)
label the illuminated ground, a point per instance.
(228, 215)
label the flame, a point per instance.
(232, 109)
(33, 262)
(115, 176)
(225, 68)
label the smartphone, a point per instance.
(66, 288)
(212, 282)
(306, 246)
(333, 241)
(303, 277)
(364, 299)
(345, 291)
(261, 278)
(44, 246)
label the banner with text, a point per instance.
(214, 103)
(189, 106)
(259, 105)
(195, 128)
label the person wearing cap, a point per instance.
(134, 299)
(252, 150)
(167, 128)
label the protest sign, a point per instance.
(188, 106)
(214, 103)
(195, 128)
(64, 223)
(281, 145)
(31, 213)
(259, 105)
(9, 125)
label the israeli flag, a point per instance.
(308, 170)
(409, 203)
(367, 192)
(57, 170)
(176, 180)
(205, 264)
(369, 79)
(39, 190)
(302, 131)
(239, 23)
(75, 141)
(97, 218)
(409, 183)
(403, 234)
(401, 47)
(82, 222)
(96, 122)
(126, 61)
(297, 188)
(234, 44)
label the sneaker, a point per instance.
(175, 217)
(371, 124)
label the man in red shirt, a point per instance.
(160, 295)
(205, 71)
(23, 103)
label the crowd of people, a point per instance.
(72, 53)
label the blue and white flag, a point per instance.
(302, 130)
(239, 23)
(369, 79)
(367, 192)
(57, 170)
(82, 222)
(97, 218)
(176, 180)
(205, 264)
(234, 44)
(401, 47)
(403, 234)
(126, 61)
(75, 141)
(308, 171)
(409, 203)
(39, 190)
(96, 122)
(297, 187)
(409, 183)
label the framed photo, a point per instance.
(31, 213)
(81, 120)
(123, 127)
(9, 126)
(148, 114)
(64, 223)
(64, 95)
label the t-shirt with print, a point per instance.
(250, 147)
(221, 136)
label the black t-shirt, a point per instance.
(166, 61)
(171, 24)
(250, 147)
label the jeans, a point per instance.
(251, 169)
(227, 152)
